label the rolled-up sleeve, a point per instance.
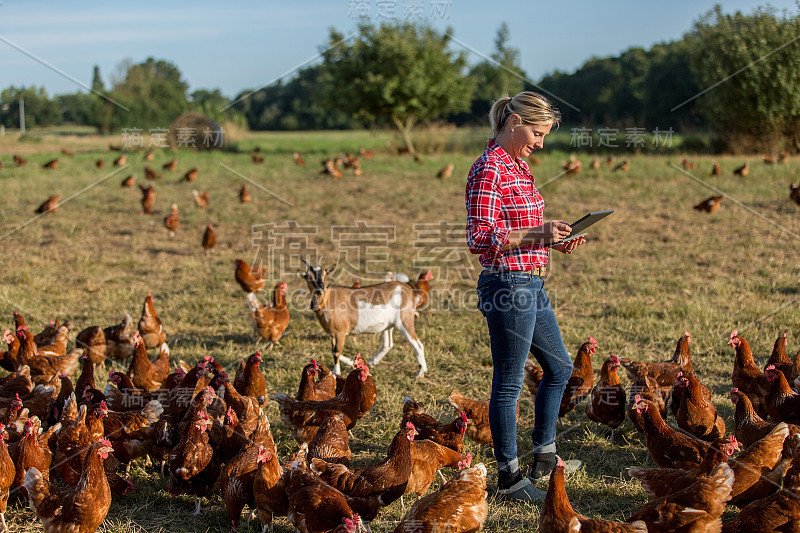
(486, 233)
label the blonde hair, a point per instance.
(532, 108)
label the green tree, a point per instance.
(154, 92)
(102, 108)
(214, 104)
(77, 108)
(296, 105)
(751, 67)
(40, 110)
(494, 79)
(669, 82)
(638, 88)
(399, 73)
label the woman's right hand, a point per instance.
(556, 230)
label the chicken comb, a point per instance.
(688, 336)
(52, 323)
(561, 463)
(593, 341)
(637, 398)
(464, 417)
(614, 359)
(410, 426)
(103, 405)
(314, 362)
(679, 374)
(2, 429)
(770, 367)
(105, 442)
(735, 389)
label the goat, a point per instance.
(379, 308)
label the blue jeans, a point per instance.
(521, 320)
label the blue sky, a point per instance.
(243, 45)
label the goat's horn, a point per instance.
(331, 268)
(305, 262)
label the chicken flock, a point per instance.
(337, 165)
(68, 446)
(698, 469)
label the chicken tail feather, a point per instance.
(38, 489)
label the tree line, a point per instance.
(735, 75)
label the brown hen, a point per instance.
(387, 479)
(269, 322)
(582, 378)
(668, 448)
(696, 508)
(558, 515)
(696, 413)
(450, 435)
(81, 509)
(247, 279)
(607, 404)
(459, 506)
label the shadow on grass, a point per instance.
(156, 251)
(788, 290)
(210, 341)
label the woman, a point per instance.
(505, 225)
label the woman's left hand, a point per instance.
(569, 246)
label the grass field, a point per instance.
(651, 271)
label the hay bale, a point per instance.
(194, 130)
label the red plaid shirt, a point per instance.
(501, 197)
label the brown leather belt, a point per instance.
(538, 271)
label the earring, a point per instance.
(512, 130)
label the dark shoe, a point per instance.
(543, 464)
(522, 491)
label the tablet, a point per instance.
(583, 223)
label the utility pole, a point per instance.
(21, 115)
